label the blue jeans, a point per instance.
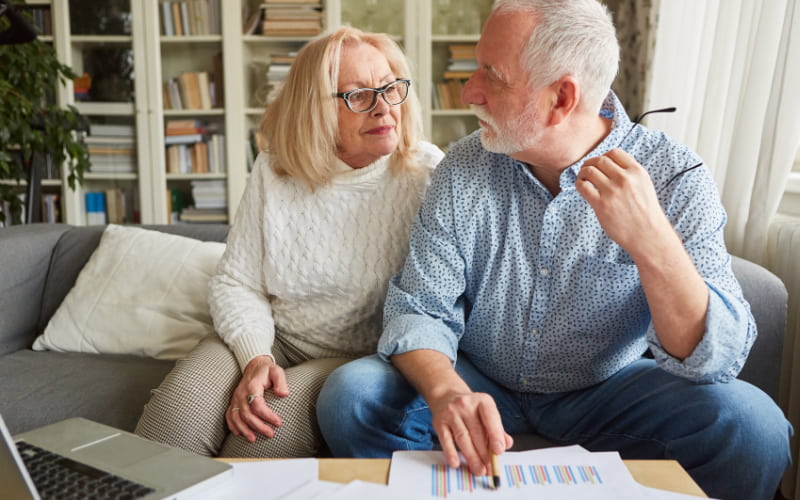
(731, 438)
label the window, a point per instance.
(790, 203)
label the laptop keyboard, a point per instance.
(58, 477)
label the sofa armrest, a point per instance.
(767, 296)
(25, 253)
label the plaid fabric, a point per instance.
(188, 409)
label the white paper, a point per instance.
(656, 494)
(313, 490)
(551, 473)
(362, 490)
(267, 479)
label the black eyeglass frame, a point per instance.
(345, 96)
(638, 120)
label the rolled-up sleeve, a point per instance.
(425, 301)
(730, 328)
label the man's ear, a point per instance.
(565, 95)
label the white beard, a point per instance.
(519, 134)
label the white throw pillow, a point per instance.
(142, 292)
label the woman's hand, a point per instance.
(248, 413)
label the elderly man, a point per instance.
(554, 247)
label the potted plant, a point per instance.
(32, 124)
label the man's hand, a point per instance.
(624, 199)
(248, 413)
(620, 192)
(470, 423)
(463, 420)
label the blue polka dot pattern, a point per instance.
(531, 289)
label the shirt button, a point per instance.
(553, 209)
(544, 271)
(524, 381)
(534, 331)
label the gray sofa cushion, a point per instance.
(44, 387)
(24, 258)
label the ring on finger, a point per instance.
(235, 409)
(251, 398)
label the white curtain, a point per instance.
(732, 68)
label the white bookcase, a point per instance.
(416, 24)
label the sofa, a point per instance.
(39, 264)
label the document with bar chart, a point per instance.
(552, 473)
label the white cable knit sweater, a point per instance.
(312, 268)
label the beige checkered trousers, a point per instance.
(188, 409)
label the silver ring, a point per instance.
(252, 398)
(235, 409)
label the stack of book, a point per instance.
(112, 149)
(191, 90)
(279, 65)
(190, 17)
(292, 18)
(460, 67)
(209, 194)
(193, 148)
(210, 204)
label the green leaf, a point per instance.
(30, 124)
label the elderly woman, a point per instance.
(322, 226)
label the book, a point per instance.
(166, 19)
(96, 129)
(216, 154)
(253, 23)
(184, 138)
(174, 91)
(457, 75)
(115, 206)
(185, 18)
(291, 24)
(218, 80)
(185, 127)
(208, 215)
(204, 85)
(199, 154)
(190, 91)
(177, 24)
(51, 208)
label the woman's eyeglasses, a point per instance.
(364, 100)
(638, 120)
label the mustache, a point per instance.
(481, 113)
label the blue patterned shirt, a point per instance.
(534, 292)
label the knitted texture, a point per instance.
(313, 267)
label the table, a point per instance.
(661, 474)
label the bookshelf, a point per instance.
(425, 28)
(451, 26)
(50, 183)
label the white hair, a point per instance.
(570, 37)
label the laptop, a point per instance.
(108, 458)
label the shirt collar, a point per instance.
(620, 124)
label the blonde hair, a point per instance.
(299, 130)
